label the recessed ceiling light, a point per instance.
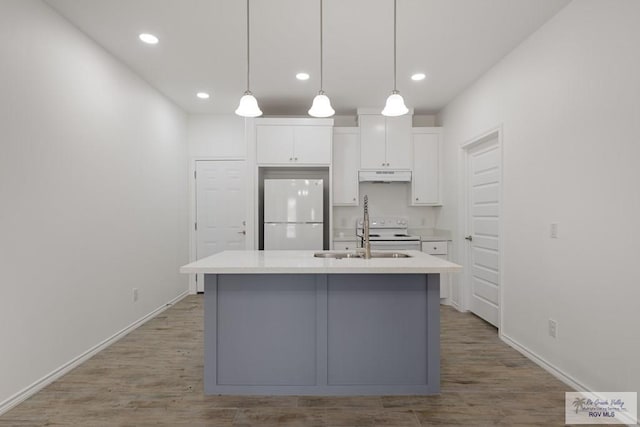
(418, 76)
(148, 38)
(302, 76)
(202, 95)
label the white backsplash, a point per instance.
(386, 200)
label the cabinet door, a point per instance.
(312, 144)
(398, 137)
(274, 144)
(372, 142)
(425, 185)
(346, 159)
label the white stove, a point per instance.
(389, 233)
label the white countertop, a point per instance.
(303, 262)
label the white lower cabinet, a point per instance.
(439, 249)
(350, 245)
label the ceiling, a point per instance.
(202, 47)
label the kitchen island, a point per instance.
(286, 322)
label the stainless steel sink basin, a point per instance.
(341, 255)
(389, 255)
(337, 255)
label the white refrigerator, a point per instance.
(293, 210)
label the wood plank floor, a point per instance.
(153, 376)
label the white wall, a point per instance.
(568, 99)
(418, 120)
(390, 199)
(216, 135)
(93, 195)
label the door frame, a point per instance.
(463, 224)
(249, 208)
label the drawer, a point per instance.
(435, 248)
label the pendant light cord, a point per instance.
(321, 48)
(248, 52)
(395, 89)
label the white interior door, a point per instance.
(220, 208)
(483, 229)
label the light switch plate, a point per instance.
(553, 328)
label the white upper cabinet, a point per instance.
(426, 181)
(399, 142)
(312, 144)
(385, 142)
(346, 160)
(293, 141)
(373, 140)
(274, 144)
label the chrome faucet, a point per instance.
(366, 244)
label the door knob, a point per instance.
(242, 232)
(469, 238)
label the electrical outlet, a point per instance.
(553, 328)
(554, 231)
(135, 294)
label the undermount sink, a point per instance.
(337, 255)
(341, 255)
(389, 255)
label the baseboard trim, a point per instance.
(549, 367)
(38, 385)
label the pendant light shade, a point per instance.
(321, 106)
(395, 103)
(248, 106)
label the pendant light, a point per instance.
(321, 106)
(395, 104)
(248, 104)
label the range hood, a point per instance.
(385, 176)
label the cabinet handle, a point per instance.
(387, 164)
(417, 198)
(296, 159)
(354, 199)
(383, 164)
(290, 159)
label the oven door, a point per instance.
(395, 245)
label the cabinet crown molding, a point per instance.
(297, 121)
(376, 111)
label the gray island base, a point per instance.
(322, 334)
